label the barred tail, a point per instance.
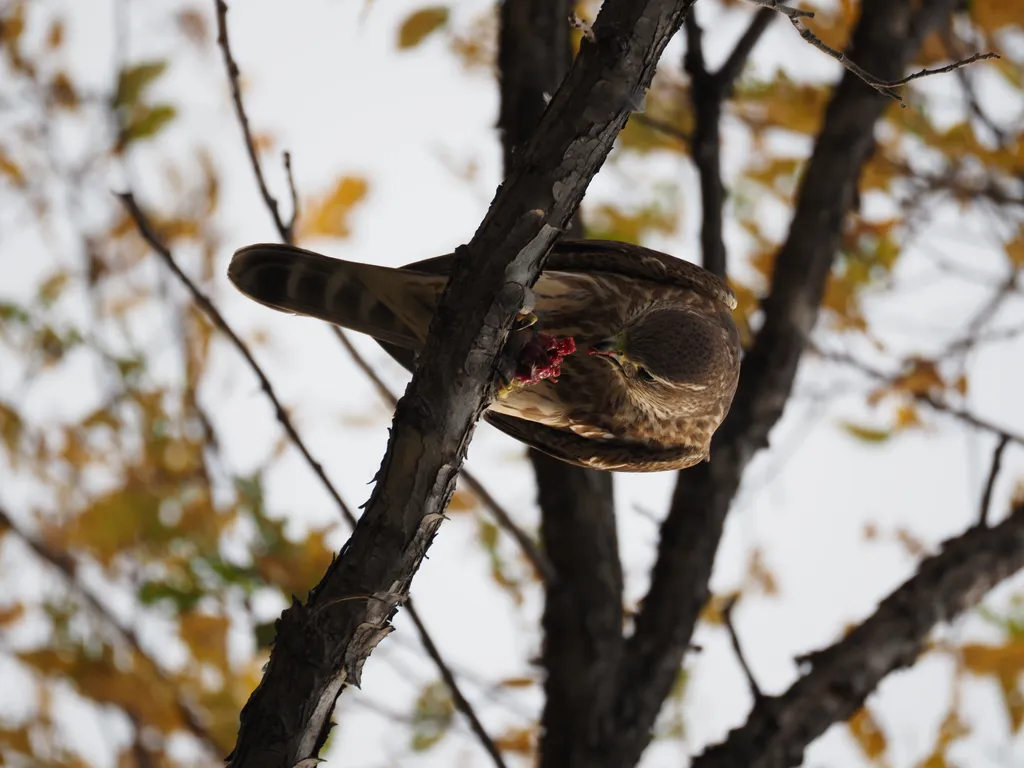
(392, 305)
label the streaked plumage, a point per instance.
(663, 356)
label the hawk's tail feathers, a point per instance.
(393, 305)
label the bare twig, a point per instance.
(150, 235)
(786, 10)
(662, 127)
(708, 92)
(290, 230)
(938, 70)
(734, 639)
(236, 95)
(986, 496)
(931, 401)
(461, 702)
(68, 566)
(884, 87)
(537, 558)
(840, 678)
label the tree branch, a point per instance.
(530, 549)
(223, 42)
(887, 35)
(990, 484)
(582, 620)
(708, 92)
(287, 233)
(842, 676)
(322, 645)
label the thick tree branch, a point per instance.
(708, 92)
(842, 676)
(582, 619)
(287, 233)
(322, 645)
(888, 34)
(530, 549)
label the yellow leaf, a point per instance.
(11, 169)
(867, 434)
(1015, 250)
(517, 682)
(991, 15)
(134, 80)
(713, 610)
(907, 416)
(420, 24)
(206, 636)
(328, 216)
(867, 733)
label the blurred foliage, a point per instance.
(140, 518)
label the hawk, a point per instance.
(657, 358)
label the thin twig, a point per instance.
(67, 565)
(290, 238)
(662, 127)
(786, 10)
(150, 235)
(884, 87)
(727, 610)
(505, 521)
(461, 703)
(986, 496)
(939, 70)
(243, 119)
(938, 405)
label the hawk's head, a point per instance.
(668, 358)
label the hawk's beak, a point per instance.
(608, 349)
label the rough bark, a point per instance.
(322, 644)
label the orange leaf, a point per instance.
(462, 501)
(519, 740)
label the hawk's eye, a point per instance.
(644, 375)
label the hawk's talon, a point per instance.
(525, 319)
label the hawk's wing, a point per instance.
(606, 453)
(617, 258)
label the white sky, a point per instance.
(326, 80)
